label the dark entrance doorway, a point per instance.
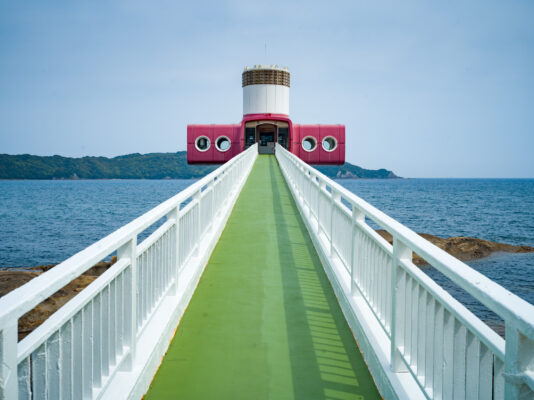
(266, 134)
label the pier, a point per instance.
(265, 280)
(264, 321)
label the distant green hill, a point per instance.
(137, 166)
(351, 171)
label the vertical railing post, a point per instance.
(398, 284)
(357, 218)
(519, 351)
(307, 193)
(302, 183)
(211, 188)
(298, 182)
(335, 198)
(320, 189)
(173, 214)
(196, 198)
(215, 198)
(8, 361)
(313, 181)
(129, 251)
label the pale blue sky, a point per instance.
(425, 88)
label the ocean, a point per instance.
(45, 222)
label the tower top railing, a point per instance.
(266, 67)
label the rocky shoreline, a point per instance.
(10, 280)
(463, 248)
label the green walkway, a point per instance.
(264, 322)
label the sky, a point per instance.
(425, 88)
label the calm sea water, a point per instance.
(45, 222)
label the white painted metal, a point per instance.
(418, 341)
(107, 341)
(266, 99)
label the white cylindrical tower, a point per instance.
(265, 90)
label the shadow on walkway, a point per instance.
(325, 360)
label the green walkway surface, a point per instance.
(264, 322)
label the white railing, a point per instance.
(109, 339)
(417, 339)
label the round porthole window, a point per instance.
(222, 143)
(309, 143)
(202, 143)
(329, 143)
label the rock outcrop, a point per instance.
(10, 280)
(463, 248)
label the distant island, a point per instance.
(140, 166)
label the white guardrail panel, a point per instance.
(418, 341)
(109, 339)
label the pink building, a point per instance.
(266, 122)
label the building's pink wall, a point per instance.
(212, 131)
(193, 155)
(319, 132)
(236, 133)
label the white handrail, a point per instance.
(449, 352)
(86, 347)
